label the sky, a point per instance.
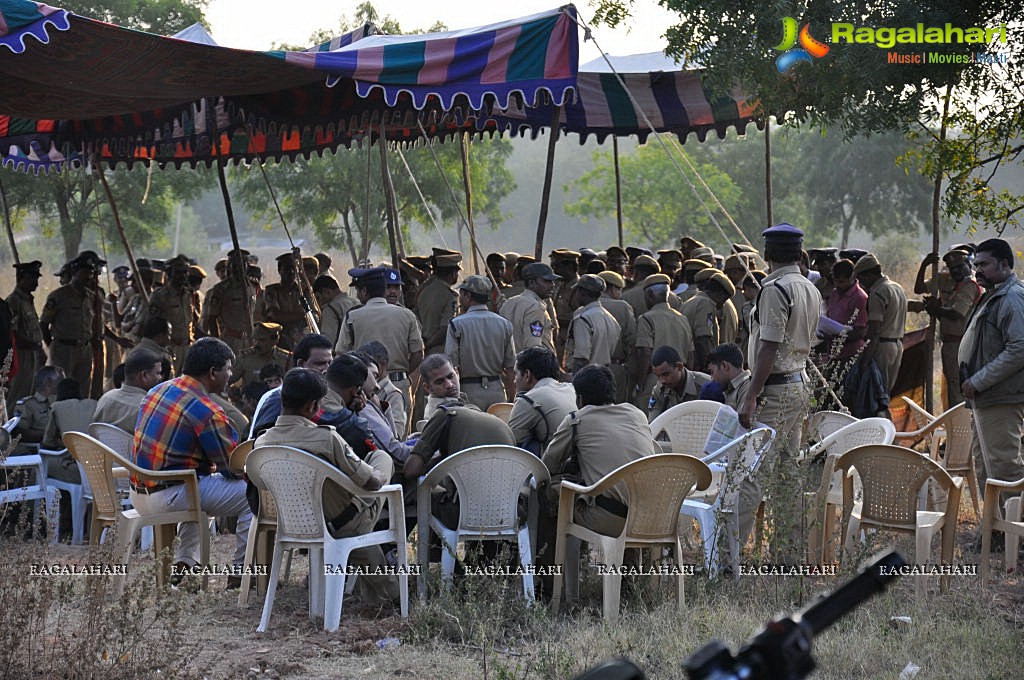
(257, 24)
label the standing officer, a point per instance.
(71, 323)
(783, 325)
(565, 263)
(227, 314)
(706, 311)
(479, 344)
(334, 306)
(951, 297)
(394, 326)
(28, 338)
(435, 305)
(593, 331)
(689, 288)
(887, 318)
(174, 303)
(622, 355)
(532, 321)
(283, 302)
(644, 267)
(264, 350)
(659, 325)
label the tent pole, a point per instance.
(618, 189)
(768, 170)
(929, 384)
(468, 186)
(7, 222)
(229, 211)
(120, 230)
(389, 193)
(545, 197)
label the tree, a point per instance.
(658, 204)
(855, 89)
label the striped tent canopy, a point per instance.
(77, 88)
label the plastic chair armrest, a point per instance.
(1006, 486)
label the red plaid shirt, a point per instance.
(181, 428)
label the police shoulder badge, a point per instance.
(536, 329)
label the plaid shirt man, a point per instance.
(180, 428)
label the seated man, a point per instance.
(181, 428)
(313, 351)
(301, 395)
(120, 407)
(35, 410)
(398, 407)
(726, 364)
(676, 383)
(541, 401)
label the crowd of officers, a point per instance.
(667, 327)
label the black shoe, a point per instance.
(234, 582)
(998, 542)
(178, 572)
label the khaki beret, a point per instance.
(563, 254)
(722, 280)
(866, 263)
(687, 242)
(955, 256)
(613, 278)
(267, 329)
(696, 264)
(703, 253)
(704, 274)
(591, 282)
(656, 279)
(646, 261)
(734, 262)
(442, 261)
(671, 255)
(475, 283)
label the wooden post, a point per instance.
(768, 170)
(120, 231)
(7, 222)
(929, 385)
(618, 189)
(467, 184)
(546, 192)
(229, 211)
(389, 194)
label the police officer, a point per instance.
(670, 261)
(712, 317)
(334, 306)
(616, 260)
(533, 322)
(644, 267)
(622, 355)
(659, 325)
(34, 410)
(497, 267)
(435, 304)
(821, 260)
(479, 344)
(227, 314)
(689, 288)
(72, 323)
(282, 302)
(783, 326)
(174, 302)
(594, 332)
(264, 350)
(676, 383)
(887, 318)
(542, 402)
(28, 337)
(952, 296)
(394, 326)
(565, 263)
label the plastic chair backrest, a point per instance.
(891, 477)
(687, 425)
(296, 481)
(863, 432)
(656, 487)
(11, 424)
(824, 423)
(745, 457)
(236, 461)
(488, 480)
(94, 460)
(113, 438)
(502, 409)
(959, 434)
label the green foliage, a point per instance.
(163, 17)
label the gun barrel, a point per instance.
(872, 579)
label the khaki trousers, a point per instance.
(482, 397)
(76, 360)
(997, 442)
(951, 371)
(888, 357)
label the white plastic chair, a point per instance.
(687, 425)
(488, 480)
(1010, 523)
(737, 462)
(39, 490)
(79, 494)
(120, 442)
(296, 480)
(828, 499)
(656, 487)
(823, 423)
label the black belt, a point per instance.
(784, 378)
(159, 486)
(613, 506)
(346, 516)
(890, 339)
(480, 379)
(397, 376)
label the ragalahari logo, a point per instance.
(809, 47)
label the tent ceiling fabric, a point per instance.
(76, 88)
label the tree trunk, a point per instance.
(348, 235)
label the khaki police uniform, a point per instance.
(282, 304)
(728, 322)
(785, 312)
(175, 305)
(435, 307)
(664, 397)
(960, 296)
(661, 325)
(119, 407)
(593, 335)
(28, 343)
(623, 352)
(74, 319)
(332, 316)
(702, 313)
(249, 361)
(67, 415)
(35, 416)
(536, 414)
(533, 324)
(398, 404)
(479, 344)
(737, 389)
(225, 315)
(635, 297)
(887, 304)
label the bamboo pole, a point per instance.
(618, 189)
(120, 231)
(389, 193)
(229, 211)
(7, 222)
(768, 170)
(929, 385)
(467, 185)
(546, 192)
